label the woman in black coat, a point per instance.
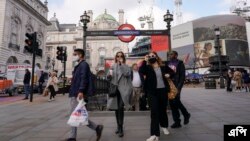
(157, 86)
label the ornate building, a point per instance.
(17, 18)
(71, 36)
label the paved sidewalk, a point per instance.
(46, 121)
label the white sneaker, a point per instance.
(153, 138)
(49, 100)
(166, 131)
(52, 99)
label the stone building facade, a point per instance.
(17, 18)
(71, 36)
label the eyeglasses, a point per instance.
(119, 56)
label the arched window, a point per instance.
(12, 60)
(15, 31)
(26, 62)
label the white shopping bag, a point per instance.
(79, 116)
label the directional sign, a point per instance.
(153, 32)
(100, 33)
(127, 32)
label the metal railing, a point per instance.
(98, 100)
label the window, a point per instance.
(64, 37)
(102, 54)
(88, 56)
(14, 31)
(48, 49)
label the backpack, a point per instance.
(91, 84)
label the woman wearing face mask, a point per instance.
(120, 76)
(157, 87)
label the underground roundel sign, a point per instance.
(126, 33)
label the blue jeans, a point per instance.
(27, 90)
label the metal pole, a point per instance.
(222, 85)
(84, 37)
(64, 69)
(35, 46)
(64, 76)
(169, 35)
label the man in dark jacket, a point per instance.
(26, 82)
(81, 87)
(41, 81)
(179, 68)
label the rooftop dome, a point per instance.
(54, 19)
(106, 17)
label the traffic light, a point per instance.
(39, 52)
(64, 54)
(59, 53)
(29, 42)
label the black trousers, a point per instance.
(229, 80)
(159, 102)
(52, 91)
(177, 105)
(119, 113)
(41, 87)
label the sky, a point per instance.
(69, 11)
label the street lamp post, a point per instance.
(85, 19)
(47, 62)
(218, 52)
(168, 18)
(53, 63)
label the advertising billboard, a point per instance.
(231, 27)
(238, 52)
(204, 50)
(182, 35)
(159, 43)
(186, 54)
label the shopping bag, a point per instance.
(79, 116)
(46, 92)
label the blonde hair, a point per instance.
(53, 73)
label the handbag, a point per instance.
(46, 92)
(113, 89)
(173, 90)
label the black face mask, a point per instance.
(152, 60)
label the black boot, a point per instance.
(120, 133)
(176, 125)
(121, 120)
(117, 121)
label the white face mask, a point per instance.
(75, 58)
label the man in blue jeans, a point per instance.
(81, 87)
(26, 82)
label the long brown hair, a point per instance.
(159, 61)
(123, 56)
